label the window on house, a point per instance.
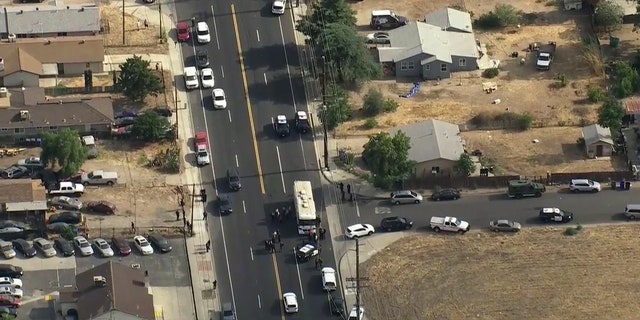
(62, 34)
(53, 128)
(4, 129)
(427, 67)
(443, 67)
(407, 65)
(435, 170)
(462, 62)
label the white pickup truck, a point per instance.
(66, 188)
(450, 224)
(98, 177)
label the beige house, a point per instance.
(25, 61)
(436, 147)
(23, 200)
(597, 141)
(49, 21)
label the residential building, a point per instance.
(25, 61)
(23, 200)
(109, 291)
(436, 147)
(433, 49)
(44, 21)
(28, 114)
(597, 141)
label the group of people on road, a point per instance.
(270, 244)
(280, 215)
(341, 187)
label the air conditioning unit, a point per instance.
(24, 114)
(100, 281)
(3, 92)
(12, 37)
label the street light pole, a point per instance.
(324, 113)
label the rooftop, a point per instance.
(21, 190)
(433, 139)
(42, 19)
(596, 133)
(450, 19)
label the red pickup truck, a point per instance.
(201, 139)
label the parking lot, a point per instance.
(169, 280)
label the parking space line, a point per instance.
(258, 35)
(244, 207)
(215, 27)
(222, 70)
(284, 188)
(237, 163)
(259, 303)
(229, 113)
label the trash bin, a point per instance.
(622, 185)
(614, 42)
(627, 185)
(613, 185)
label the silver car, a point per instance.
(68, 203)
(405, 196)
(7, 250)
(84, 247)
(45, 246)
(103, 247)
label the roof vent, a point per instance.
(12, 37)
(4, 92)
(24, 114)
(99, 281)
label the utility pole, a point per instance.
(358, 279)
(123, 31)
(160, 14)
(324, 115)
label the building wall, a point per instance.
(607, 149)
(74, 69)
(11, 135)
(434, 70)
(51, 34)
(423, 169)
(21, 79)
(409, 68)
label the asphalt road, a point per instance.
(606, 206)
(242, 137)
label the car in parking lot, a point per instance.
(7, 249)
(395, 224)
(184, 31)
(143, 245)
(446, 194)
(584, 185)
(104, 207)
(14, 292)
(121, 245)
(64, 246)
(359, 230)
(66, 203)
(504, 225)
(10, 311)
(11, 271)
(83, 246)
(70, 217)
(45, 246)
(24, 247)
(161, 243)
(290, 302)
(9, 301)
(33, 163)
(405, 196)
(227, 311)
(225, 205)
(103, 247)
(378, 38)
(11, 282)
(329, 282)
(15, 172)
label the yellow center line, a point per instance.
(275, 267)
(246, 96)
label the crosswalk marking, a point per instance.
(382, 210)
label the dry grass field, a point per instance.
(537, 274)
(137, 39)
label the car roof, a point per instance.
(281, 118)
(550, 210)
(218, 92)
(356, 226)
(139, 238)
(580, 180)
(183, 25)
(302, 115)
(206, 71)
(503, 221)
(306, 248)
(202, 25)
(328, 269)
(79, 238)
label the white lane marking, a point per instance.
(237, 163)
(281, 174)
(357, 208)
(222, 70)
(298, 269)
(265, 78)
(286, 59)
(258, 35)
(244, 207)
(251, 252)
(215, 28)
(259, 303)
(229, 113)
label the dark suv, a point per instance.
(555, 215)
(446, 194)
(395, 224)
(202, 57)
(11, 271)
(302, 122)
(386, 19)
(233, 179)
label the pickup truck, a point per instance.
(546, 53)
(66, 188)
(201, 145)
(98, 177)
(450, 224)
(89, 142)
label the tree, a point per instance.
(373, 103)
(150, 126)
(610, 114)
(608, 16)
(465, 165)
(503, 15)
(323, 13)
(65, 150)
(388, 158)
(626, 80)
(137, 80)
(338, 108)
(345, 53)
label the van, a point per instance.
(386, 19)
(328, 279)
(632, 211)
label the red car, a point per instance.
(104, 207)
(184, 31)
(121, 245)
(9, 301)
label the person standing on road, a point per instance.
(177, 215)
(281, 246)
(208, 245)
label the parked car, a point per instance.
(14, 292)
(14, 224)
(446, 194)
(161, 243)
(584, 185)
(395, 224)
(202, 32)
(378, 38)
(33, 163)
(336, 306)
(83, 246)
(227, 311)
(329, 282)
(504, 225)
(15, 172)
(9, 301)
(7, 250)
(405, 196)
(103, 247)
(24, 247)
(64, 246)
(45, 246)
(60, 227)
(66, 188)
(121, 245)
(359, 230)
(353, 315)
(99, 177)
(183, 31)
(70, 217)
(11, 282)
(104, 207)
(11, 271)
(66, 203)
(143, 245)
(10, 230)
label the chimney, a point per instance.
(99, 281)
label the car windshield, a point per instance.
(234, 179)
(203, 32)
(144, 243)
(207, 77)
(84, 244)
(47, 246)
(219, 98)
(191, 77)
(104, 245)
(183, 30)
(202, 154)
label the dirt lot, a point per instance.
(538, 274)
(138, 39)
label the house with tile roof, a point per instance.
(46, 21)
(433, 49)
(25, 61)
(109, 291)
(436, 147)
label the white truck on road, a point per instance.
(450, 224)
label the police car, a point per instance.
(281, 126)
(555, 215)
(306, 252)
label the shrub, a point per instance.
(505, 120)
(502, 16)
(390, 105)
(570, 231)
(491, 73)
(370, 123)
(595, 94)
(524, 122)
(373, 103)
(563, 80)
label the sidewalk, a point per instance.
(205, 297)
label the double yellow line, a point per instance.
(255, 142)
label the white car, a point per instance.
(353, 315)
(329, 279)
(202, 32)
(219, 98)
(207, 78)
(584, 185)
(202, 156)
(143, 245)
(11, 282)
(278, 7)
(16, 293)
(7, 250)
(191, 78)
(359, 230)
(290, 302)
(83, 246)
(103, 247)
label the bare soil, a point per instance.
(537, 274)
(137, 39)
